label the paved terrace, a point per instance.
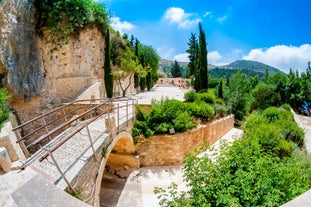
(41, 183)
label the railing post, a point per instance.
(127, 114)
(118, 117)
(65, 114)
(61, 172)
(90, 138)
(22, 144)
(46, 128)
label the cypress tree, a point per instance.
(149, 81)
(107, 67)
(142, 81)
(203, 70)
(136, 76)
(220, 89)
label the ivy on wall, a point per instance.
(67, 17)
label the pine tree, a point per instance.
(107, 67)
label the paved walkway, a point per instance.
(21, 188)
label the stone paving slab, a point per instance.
(38, 192)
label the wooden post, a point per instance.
(61, 172)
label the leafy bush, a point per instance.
(292, 132)
(206, 110)
(208, 97)
(64, 18)
(190, 96)
(272, 114)
(4, 107)
(183, 122)
(222, 110)
(193, 109)
(261, 169)
(163, 128)
(163, 116)
(286, 107)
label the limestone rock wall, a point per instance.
(20, 63)
(74, 67)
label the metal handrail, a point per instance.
(64, 125)
(59, 144)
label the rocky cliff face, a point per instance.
(21, 67)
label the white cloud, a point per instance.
(183, 57)
(178, 16)
(207, 14)
(214, 57)
(122, 27)
(282, 57)
(222, 19)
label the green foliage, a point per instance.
(163, 116)
(190, 96)
(198, 65)
(265, 96)
(183, 122)
(66, 17)
(104, 151)
(221, 109)
(206, 111)
(107, 67)
(4, 107)
(208, 97)
(261, 169)
(176, 71)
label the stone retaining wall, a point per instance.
(163, 150)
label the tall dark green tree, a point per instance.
(203, 63)
(176, 71)
(143, 81)
(198, 64)
(107, 67)
(220, 89)
(136, 75)
(192, 44)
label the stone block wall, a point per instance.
(163, 150)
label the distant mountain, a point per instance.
(248, 67)
(251, 65)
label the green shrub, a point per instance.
(163, 128)
(206, 110)
(183, 122)
(284, 148)
(286, 107)
(272, 114)
(253, 120)
(4, 107)
(222, 110)
(141, 115)
(190, 96)
(193, 109)
(208, 97)
(292, 132)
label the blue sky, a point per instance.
(271, 31)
